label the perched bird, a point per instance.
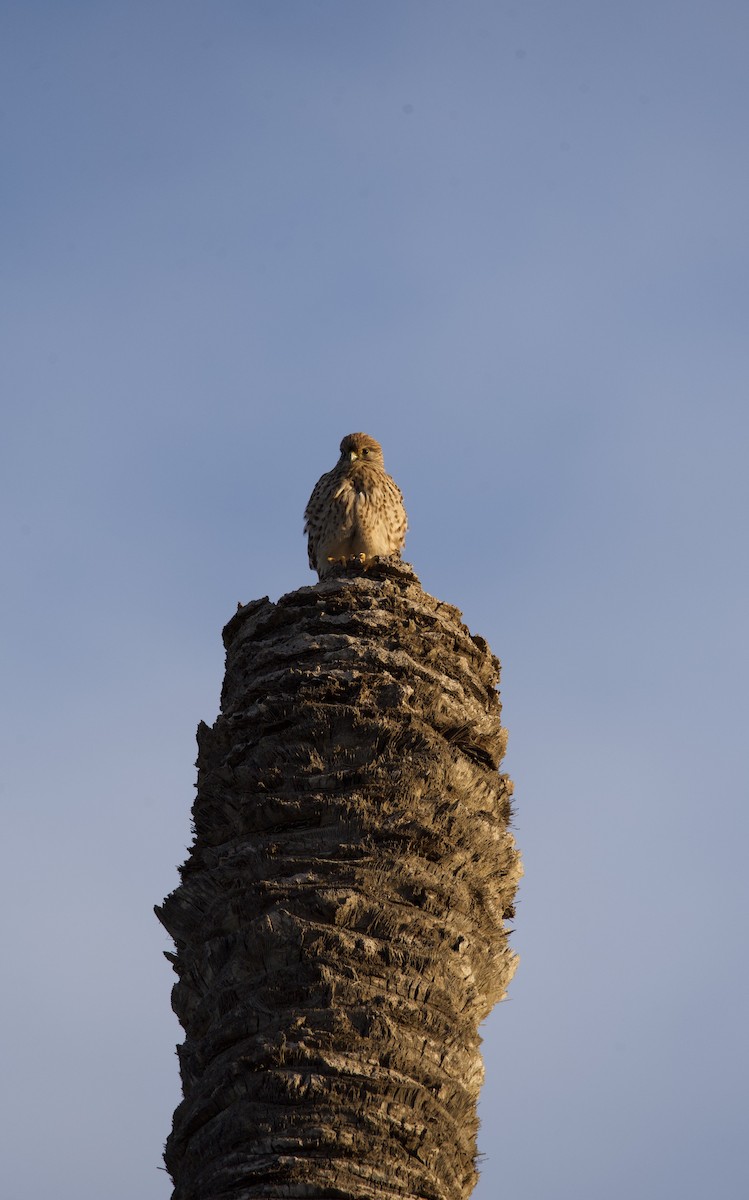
(355, 512)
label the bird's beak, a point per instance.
(353, 455)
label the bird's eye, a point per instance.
(365, 451)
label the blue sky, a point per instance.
(511, 242)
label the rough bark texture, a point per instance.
(339, 926)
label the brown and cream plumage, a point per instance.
(355, 512)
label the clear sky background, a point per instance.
(511, 242)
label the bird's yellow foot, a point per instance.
(350, 560)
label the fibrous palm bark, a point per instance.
(340, 922)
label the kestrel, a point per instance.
(355, 512)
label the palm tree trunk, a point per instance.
(339, 924)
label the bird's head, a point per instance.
(361, 447)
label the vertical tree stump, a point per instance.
(340, 923)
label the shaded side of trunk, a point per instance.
(340, 924)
